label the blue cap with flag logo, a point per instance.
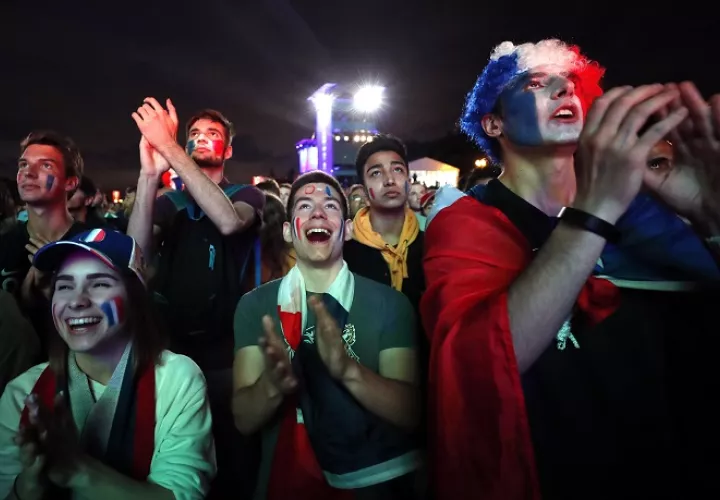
(114, 248)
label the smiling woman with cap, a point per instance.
(112, 414)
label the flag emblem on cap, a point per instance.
(95, 236)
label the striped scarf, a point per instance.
(119, 428)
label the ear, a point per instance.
(348, 230)
(228, 153)
(492, 125)
(287, 232)
(71, 184)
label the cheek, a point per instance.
(520, 118)
(56, 308)
(218, 147)
(190, 146)
(114, 310)
(371, 193)
(49, 182)
(296, 228)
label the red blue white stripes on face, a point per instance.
(114, 311)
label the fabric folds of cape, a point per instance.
(479, 438)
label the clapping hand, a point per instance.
(329, 341)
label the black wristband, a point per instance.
(589, 222)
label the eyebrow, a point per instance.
(307, 198)
(394, 162)
(49, 160)
(94, 276)
(210, 129)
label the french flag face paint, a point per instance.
(49, 182)
(114, 311)
(217, 146)
(509, 65)
(296, 227)
(371, 193)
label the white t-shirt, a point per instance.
(184, 456)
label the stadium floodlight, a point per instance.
(368, 98)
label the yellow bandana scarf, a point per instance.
(395, 256)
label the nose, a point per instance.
(79, 300)
(388, 179)
(29, 172)
(318, 213)
(565, 88)
(202, 137)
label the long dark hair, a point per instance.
(274, 248)
(146, 333)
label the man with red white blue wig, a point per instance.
(524, 323)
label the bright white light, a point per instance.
(356, 138)
(346, 138)
(481, 163)
(337, 138)
(323, 102)
(362, 138)
(369, 139)
(368, 99)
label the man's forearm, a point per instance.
(208, 195)
(140, 226)
(100, 481)
(542, 297)
(254, 405)
(392, 400)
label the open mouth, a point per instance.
(566, 113)
(318, 235)
(81, 325)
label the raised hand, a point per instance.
(611, 160)
(152, 163)
(277, 363)
(692, 188)
(156, 124)
(50, 447)
(328, 338)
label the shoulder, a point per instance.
(470, 224)
(379, 295)
(178, 374)
(245, 193)
(259, 295)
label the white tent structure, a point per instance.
(431, 171)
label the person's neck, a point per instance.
(216, 174)
(99, 365)
(388, 223)
(546, 181)
(79, 214)
(49, 222)
(319, 278)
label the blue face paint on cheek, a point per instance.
(50, 182)
(328, 191)
(519, 116)
(113, 310)
(190, 147)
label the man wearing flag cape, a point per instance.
(547, 375)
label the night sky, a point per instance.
(83, 70)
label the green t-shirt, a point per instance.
(380, 318)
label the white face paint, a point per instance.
(541, 108)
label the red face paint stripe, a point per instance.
(297, 227)
(309, 189)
